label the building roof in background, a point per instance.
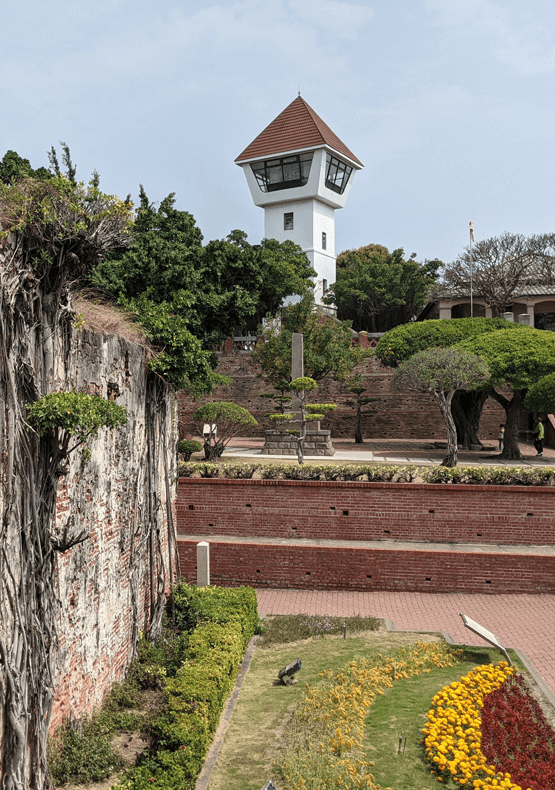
(296, 128)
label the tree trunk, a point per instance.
(302, 435)
(444, 402)
(358, 425)
(466, 408)
(513, 409)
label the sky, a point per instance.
(449, 104)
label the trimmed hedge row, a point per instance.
(469, 475)
(222, 622)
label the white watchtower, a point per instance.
(299, 172)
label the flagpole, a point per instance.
(471, 232)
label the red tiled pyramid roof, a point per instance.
(298, 126)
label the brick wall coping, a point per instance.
(367, 484)
(378, 545)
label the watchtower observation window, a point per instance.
(337, 174)
(284, 173)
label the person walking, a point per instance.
(539, 433)
(501, 436)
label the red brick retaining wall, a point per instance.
(365, 569)
(367, 511)
(262, 532)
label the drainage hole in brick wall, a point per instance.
(308, 573)
(431, 511)
(248, 505)
(211, 525)
(386, 532)
(478, 534)
(258, 571)
(428, 578)
(488, 581)
(368, 575)
(332, 508)
(191, 507)
(529, 514)
(294, 529)
(345, 512)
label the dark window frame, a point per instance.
(337, 174)
(288, 220)
(285, 172)
(324, 240)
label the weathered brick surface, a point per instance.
(395, 416)
(367, 511)
(103, 583)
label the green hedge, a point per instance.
(220, 621)
(470, 475)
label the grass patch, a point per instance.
(294, 627)
(256, 730)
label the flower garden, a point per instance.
(483, 732)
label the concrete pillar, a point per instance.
(297, 364)
(531, 310)
(489, 312)
(444, 311)
(203, 564)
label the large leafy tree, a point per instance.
(541, 395)
(518, 360)
(327, 347)
(441, 372)
(226, 285)
(500, 269)
(377, 289)
(402, 342)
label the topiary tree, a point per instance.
(441, 372)
(358, 404)
(515, 359)
(186, 447)
(309, 411)
(399, 344)
(225, 420)
(541, 395)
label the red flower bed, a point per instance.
(516, 738)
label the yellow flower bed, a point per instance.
(322, 743)
(453, 735)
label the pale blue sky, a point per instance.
(448, 103)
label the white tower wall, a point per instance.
(311, 219)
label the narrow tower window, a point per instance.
(324, 240)
(324, 287)
(288, 220)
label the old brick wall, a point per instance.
(103, 583)
(395, 416)
(369, 536)
(320, 510)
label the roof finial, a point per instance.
(299, 88)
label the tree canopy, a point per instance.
(441, 372)
(541, 395)
(402, 342)
(518, 359)
(327, 346)
(226, 285)
(377, 290)
(501, 268)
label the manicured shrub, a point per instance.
(377, 473)
(186, 447)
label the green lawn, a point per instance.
(253, 737)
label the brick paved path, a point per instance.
(526, 622)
